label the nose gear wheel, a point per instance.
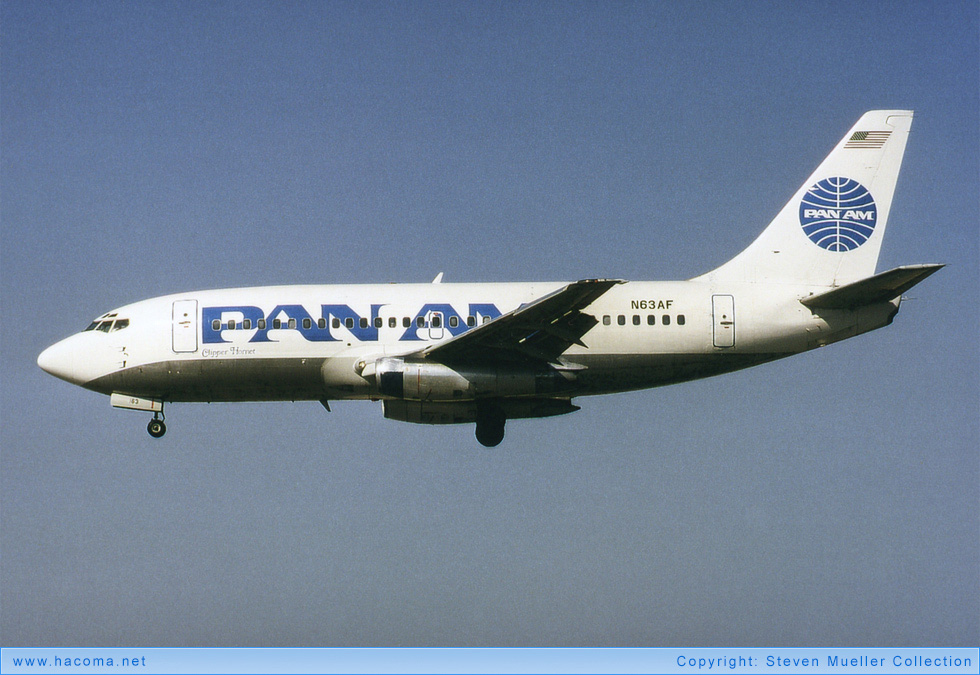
(156, 427)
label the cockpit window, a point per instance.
(107, 324)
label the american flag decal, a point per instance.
(867, 139)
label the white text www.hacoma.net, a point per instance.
(80, 662)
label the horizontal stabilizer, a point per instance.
(879, 288)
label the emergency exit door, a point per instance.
(723, 313)
(185, 326)
(435, 320)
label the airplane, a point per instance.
(441, 353)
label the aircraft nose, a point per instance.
(58, 360)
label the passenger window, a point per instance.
(336, 322)
(216, 324)
(363, 322)
(621, 320)
(486, 319)
(392, 322)
(307, 324)
(453, 321)
(420, 322)
(651, 320)
(292, 324)
(349, 322)
(231, 324)
(606, 320)
(247, 324)
(261, 324)
(406, 322)
(680, 319)
(636, 319)
(377, 322)
(436, 321)
(277, 324)
(471, 321)
(321, 323)
(665, 320)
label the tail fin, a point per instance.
(830, 232)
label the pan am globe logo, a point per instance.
(838, 214)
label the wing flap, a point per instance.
(878, 288)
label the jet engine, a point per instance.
(463, 412)
(424, 381)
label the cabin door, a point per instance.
(723, 313)
(185, 326)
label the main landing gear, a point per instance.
(490, 421)
(156, 427)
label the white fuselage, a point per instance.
(319, 342)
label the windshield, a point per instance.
(108, 323)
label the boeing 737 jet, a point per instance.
(485, 353)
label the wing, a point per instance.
(538, 332)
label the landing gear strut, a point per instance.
(156, 427)
(490, 421)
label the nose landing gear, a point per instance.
(156, 427)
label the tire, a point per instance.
(156, 428)
(490, 423)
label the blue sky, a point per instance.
(150, 148)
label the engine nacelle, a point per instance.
(424, 381)
(463, 412)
